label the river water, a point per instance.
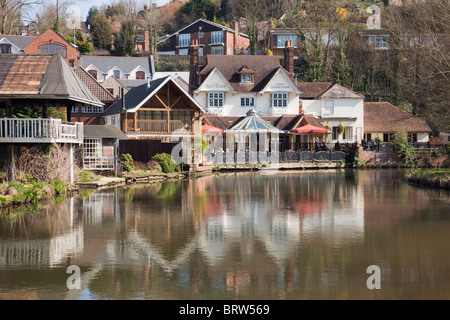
(292, 235)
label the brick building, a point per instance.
(211, 37)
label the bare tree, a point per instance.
(10, 13)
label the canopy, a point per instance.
(309, 129)
(210, 129)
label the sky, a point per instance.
(84, 5)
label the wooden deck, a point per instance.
(39, 130)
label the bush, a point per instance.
(447, 148)
(127, 162)
(154, 166)
(60, 186)
(166, 162)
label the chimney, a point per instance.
(289, 58)
(146, 41)
(193, 72)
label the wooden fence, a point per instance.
(144, 150)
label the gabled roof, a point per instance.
(127, 64)
(383, 117)
(311, 90)
(211, 23)
(94, 86)
(103, 131)
(137, 96)
(265, 67)
(326, 90)
(216, 70)
(42, 76)
(274, 74)
(19, 41)
(253, 123)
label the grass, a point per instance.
(436, 178)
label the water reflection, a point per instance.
(294, 235)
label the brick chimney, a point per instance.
(146, 41)
(194, 60)
(289, 58)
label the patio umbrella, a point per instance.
(309, 129)
(210, 129)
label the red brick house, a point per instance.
(211, 37)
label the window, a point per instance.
(378, 42)
(200, 35)
(92, 148)
(216, 37)
(93, 73)
(117, 74)
(200, 52)
(51, 48)
(412, 137)
(183, 52)
(140, 75)
(247, 102)
(91, 109)
(278, 99)
(75, 109)
(281, 40)
(216, 99)
(184, 40)
(348, 133)
(113, 120)
(328, 107)
(217, 50)
(246, 78)
(335, 135)
(117, 23)
(5, 48)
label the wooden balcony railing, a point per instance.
(39, 130)
(155, 126)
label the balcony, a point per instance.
(156, 126)
(39, 130)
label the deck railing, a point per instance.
(155, 126)
(39, 130)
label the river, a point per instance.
(291, 235)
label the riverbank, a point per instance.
(436, 178)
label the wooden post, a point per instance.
(8, 109)
(12, 166)
(71, 178)
(135, 121)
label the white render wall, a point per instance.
(352, 109)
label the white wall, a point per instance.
(349, 112)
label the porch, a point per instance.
(155, 126)
(39, 130)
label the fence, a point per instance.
(274, 157)
(144, 150)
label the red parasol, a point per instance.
(210, 129)
(309, 129)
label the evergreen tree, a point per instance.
(101, 32)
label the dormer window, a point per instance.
(246, 78)
(5, 48)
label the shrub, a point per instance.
(154, 166)
(447, 148)
(404, 149)
(166, 162)
(59, 185)
(127, 162)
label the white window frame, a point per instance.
(246, 78)
(75, 109)
(279, 100)
(183, 52)
(216, 37)
(215, 49)
(378, 42)
(92, 109)
(92, 147)
(184, 39)
(113, 120)
(348, 133)
(328, 107)
(247, 102)
(216, 99)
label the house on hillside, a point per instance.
(233, 85)
(132, 71)
(159, 110)
(50, 42)
(212, 38)
(335, 106)
(383, 120)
